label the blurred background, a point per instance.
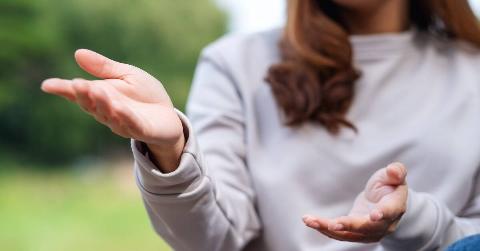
(65, 181)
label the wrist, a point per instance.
(166, 157)
(415, 228)
(166, 154)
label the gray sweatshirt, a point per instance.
(245, 179)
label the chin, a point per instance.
(360, 5)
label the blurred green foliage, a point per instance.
(38, 38)
(66, 210)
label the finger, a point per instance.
(392, 206)
(344, 223)
(101, 66)
(60, 87)
(350, 236)
(115, 108)
(121, 86)
(102, 104)
(129, 120)
(396, 174)
(82, 94)
(376, 214)
(103, 112)
(384, 181)
(316, 222)
(349, 223)
(126, 123)
(324, 226)
(358, 224)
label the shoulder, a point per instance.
(230, 68)
(458, 55)
(467, 62)
(456, 50)
(467, 56)
(238, 49)
(459, 59)
(243, 59)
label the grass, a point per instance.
(93, 209)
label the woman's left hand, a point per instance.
(375, 212)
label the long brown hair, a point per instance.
(315, 79)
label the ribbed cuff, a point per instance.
(183, 179)
(417, 227)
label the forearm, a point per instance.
(185, 209)
(189, 209)
(429, 225)
(195, 220)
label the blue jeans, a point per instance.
(471, 243)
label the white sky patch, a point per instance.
(476, 6)
(256, 15)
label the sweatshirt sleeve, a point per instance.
(207, 203)
(428, 224)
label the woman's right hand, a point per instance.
(131, 102)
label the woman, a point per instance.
(276, 132)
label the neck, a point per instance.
(389, 17)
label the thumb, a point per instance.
(396, 173)
(101, 66)
(385, 180)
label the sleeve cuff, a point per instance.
(418, 225)
(182, 180)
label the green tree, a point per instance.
(38, 38)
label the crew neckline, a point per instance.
(378, 46)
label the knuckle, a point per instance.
(116, 109)
(106, 66)
(95, 91)
(99, 118)
(89, 94)
(398, 164)
(124, 127)
(114, 119)
(391, 229)
(131, 68)
(78, 85)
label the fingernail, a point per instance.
(46, 84)
(309, 221)
(306, 218)
(48, 80)
(400, 171)
(398, 166)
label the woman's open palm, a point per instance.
(131, 102)
(375, 212)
